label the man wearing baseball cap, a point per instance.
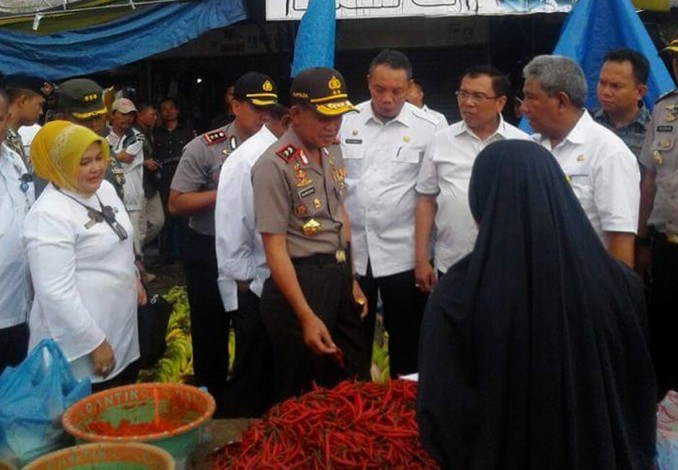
(193, 193)
(80, 101)
(311, 305)
(127, 144)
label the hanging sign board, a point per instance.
(361, 9)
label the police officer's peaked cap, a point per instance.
(29, 82)
(81, 97)
(322, 88)
(256, 88)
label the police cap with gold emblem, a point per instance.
(257, 89)
(81, 97)
(324, 89)
(37, 85)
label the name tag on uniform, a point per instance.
(664, 128)
(353, 141)
(307, 192)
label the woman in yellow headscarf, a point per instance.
(78, 240)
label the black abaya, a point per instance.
(533, 352)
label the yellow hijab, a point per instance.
(56, 151)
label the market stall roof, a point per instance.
(57, 39)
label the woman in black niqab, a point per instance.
(533, 352)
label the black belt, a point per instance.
(321, 259)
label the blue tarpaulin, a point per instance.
(146, 32)
(595, 26)
(314, 46)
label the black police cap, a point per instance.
(256, 88)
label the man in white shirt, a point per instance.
(416, 97)
(128, 145)
(242, 272)
(442, 185)
(383, 147)
(16, 197)
(602, 170)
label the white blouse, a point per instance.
(84, 279)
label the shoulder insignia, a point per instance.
(664, 95)
(213, 137)
(287, 153)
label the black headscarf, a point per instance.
(533, 352)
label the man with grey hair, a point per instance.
(601, 169)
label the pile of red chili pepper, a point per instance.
(354, 425)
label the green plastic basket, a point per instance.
(136, 404)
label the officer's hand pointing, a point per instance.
(317, 337)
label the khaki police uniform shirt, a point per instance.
(295, 196)
(660, 154)
(199, 169)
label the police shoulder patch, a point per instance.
(287, 153)
(668, 93)
(214, 137)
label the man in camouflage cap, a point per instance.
(311, 305)
(80, 101)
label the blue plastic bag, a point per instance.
(33, 396)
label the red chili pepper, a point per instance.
(338, 358)
(354, 425)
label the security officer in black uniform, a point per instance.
(311, 306)
(26, 97)
(193, 193)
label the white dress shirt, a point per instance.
(27, 134)
(134, 170)
(603, 173)
(382, 161)
(440, 117)
(84, 279)
(240, 253)
(446, 173)
(16, 292)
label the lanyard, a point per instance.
(106, 214)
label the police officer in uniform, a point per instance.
(80, 101)
(193, 193)
(311, 305)
(657, 242)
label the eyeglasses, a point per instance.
(474, 97)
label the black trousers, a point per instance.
(209, 321)
(327, 286)
(13, 345)
(249, 390)
(663, 313)
(403, 310)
